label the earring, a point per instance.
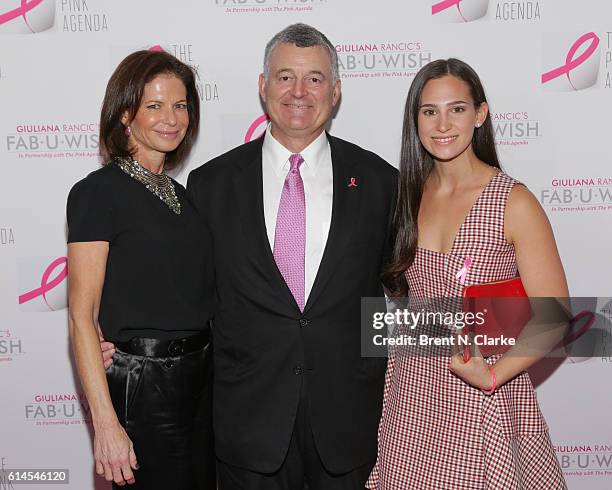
(128, 131)
(477, 125)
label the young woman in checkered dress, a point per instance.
(439, 429)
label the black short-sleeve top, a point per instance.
(159, 273)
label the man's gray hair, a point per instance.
(303, 36)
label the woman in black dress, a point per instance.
(140, 272)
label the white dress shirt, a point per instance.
(317, 175)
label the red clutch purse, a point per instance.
(502, 316)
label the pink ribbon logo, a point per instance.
(447, 4)
(47, 285)
(459, 10)
(353, 182)
(575, 335)
(572, 63)
(20, 11)
(253, 127)
(461, 275)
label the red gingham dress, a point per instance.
(436, 431)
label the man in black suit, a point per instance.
(295, 404)
(294, 401)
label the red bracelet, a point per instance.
(491, 390)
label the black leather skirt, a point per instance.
(162, 393)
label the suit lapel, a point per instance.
(345, 210)
(248, 181)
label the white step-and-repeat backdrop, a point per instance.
(547, 68)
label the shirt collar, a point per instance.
(275, 153)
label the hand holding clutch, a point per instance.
(506, 310)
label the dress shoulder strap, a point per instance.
(484, 226)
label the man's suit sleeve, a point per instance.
(388, 250)
(191, 188)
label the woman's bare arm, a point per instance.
(113, 450)
(528, 229)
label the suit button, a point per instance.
(168, 363)
(297, 370)
(304, 322)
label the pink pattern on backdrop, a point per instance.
(575, 335)
(20, 11)
(570, 62)
(256, 123)
(45, 284)
(446, 4)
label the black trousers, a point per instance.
(302, 468)
(164, 403)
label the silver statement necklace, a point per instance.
(159, 184)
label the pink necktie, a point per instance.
(290, 234)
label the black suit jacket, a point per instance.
(263, 345)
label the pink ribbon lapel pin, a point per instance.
(353, 182)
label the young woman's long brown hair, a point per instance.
(416, 164)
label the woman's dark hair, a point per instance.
(124, 93)
(416, 164)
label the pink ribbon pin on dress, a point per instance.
(461, 275)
